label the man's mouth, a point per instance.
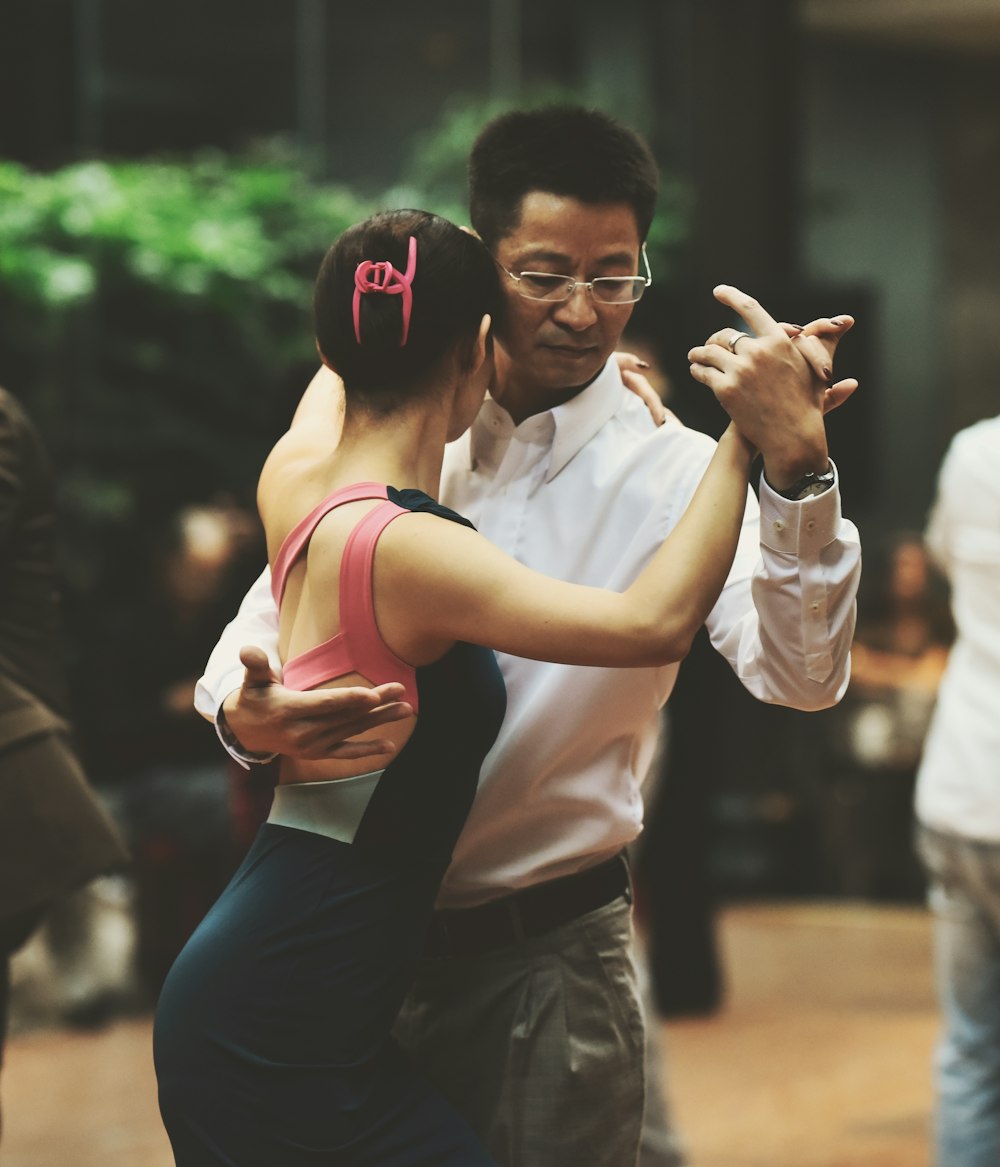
(571, 350)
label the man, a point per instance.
(54, 835)
(958, 804)
(525, 1012)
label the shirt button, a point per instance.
(779, 525)
(815, 605)
(811, 525)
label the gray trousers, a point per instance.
(660, 1145)
(541, 1045)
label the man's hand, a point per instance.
(267, 718)
(775, 386)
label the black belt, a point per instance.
(528, 913)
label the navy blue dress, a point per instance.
(272, 1037)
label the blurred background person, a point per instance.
(876, 737)
(169, 783)
(958, 804)
(54, 834)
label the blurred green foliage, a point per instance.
(150, 318)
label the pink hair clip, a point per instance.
(383, 277)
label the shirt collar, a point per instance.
(574, 422)
(580, 418)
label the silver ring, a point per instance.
(735, 339)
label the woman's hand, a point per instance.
(635, 380)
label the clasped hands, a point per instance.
(776, 384)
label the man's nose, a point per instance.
(578, 312)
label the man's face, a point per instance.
(549, 347)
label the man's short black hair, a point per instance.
(565, 150)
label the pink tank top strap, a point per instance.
(298, 537)
(358, 647)
(369, 653)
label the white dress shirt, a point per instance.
(958, 784)
(587, 492)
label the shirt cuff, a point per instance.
(802, 528)
(244, 758)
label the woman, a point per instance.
(273, 1031)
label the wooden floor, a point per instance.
(820, 1058)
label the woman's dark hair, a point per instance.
(565, 150)
(454, 285)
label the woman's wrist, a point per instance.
(738, 447)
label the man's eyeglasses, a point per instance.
(541, 285)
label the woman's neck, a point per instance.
(405, 448)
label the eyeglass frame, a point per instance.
(574, 284)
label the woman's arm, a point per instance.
(470, 590)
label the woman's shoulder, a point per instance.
(291, 458)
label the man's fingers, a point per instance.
(761, 321)
(379, 695)
(336, 736)
(258, 668)
(394, 711)
(341, 707)
(724, 337)
(320, 730)
(712, 355)
(365, 748)
(707, 374)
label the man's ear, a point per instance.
(483, 345)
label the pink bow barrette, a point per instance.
(383, 277)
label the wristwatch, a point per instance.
(235, 746)
(809, 485)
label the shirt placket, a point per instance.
(518, 476)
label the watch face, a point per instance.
(809, 485)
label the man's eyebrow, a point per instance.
(540, 255)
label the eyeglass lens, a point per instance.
(606, 289)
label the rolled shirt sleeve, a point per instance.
(256, 623)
